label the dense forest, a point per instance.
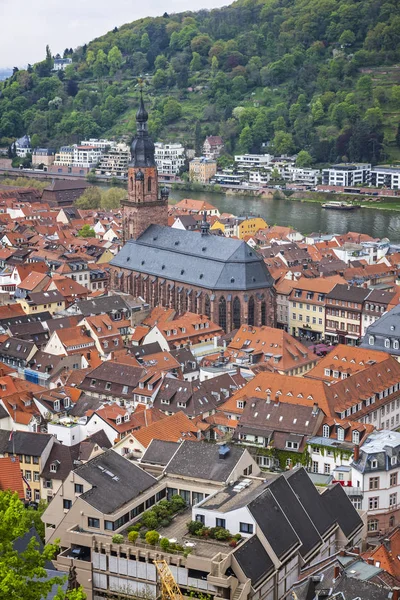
(315, 75)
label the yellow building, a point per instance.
(307, 302)
(239, 227)
(51, 301)
(32, 450)
(250, 226)
(201, 170)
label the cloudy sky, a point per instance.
(28, 25)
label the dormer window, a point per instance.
(119, 420)
(240, 404)
(183, 329)
(371, 340)
(126, 417)
(57, 405)
(93, 383)
(374, 464)
(141, 385)
(125, 389)
(356, 437)
(108, 385)
(340, 434)
(387, 343)
(325, 431)
(54, 466)
(393, 460)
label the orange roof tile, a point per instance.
(11, 476)
(177, 427)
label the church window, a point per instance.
(263, 313)
(207, 307)
(236, 313)
(222, 312)
(250, 319)
(149, 184)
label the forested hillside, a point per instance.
(319, 75)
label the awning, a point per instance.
(352, 336)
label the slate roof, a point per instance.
(211, 262)
(274, 524)
(387, 326)
(111, 492)
(159, 452)
(311, 500)
(200, 460)
(104, 304)
(16, 348)
(338, 504)
(27, 442)
(254, 560)
(295, 512)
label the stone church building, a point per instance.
(192, 271)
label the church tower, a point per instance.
(145, 205)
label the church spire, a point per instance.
(142, 148)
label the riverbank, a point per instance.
(381, 203)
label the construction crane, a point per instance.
(169, 588)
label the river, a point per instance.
(306, 217)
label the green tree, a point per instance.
(100, 67)
(172, 110)
(18, 570)
(374, 118)
(395, 95)
(160, 79)
(152, 537)
(239, 85)
(201, 44)
(161, 62)
(245, 140)
(214, 65)
(86, 231)
(347, 38)
(145, 42)
(195, 63)
(364, 86)
(283, 142)
(114, 59)
(91, 198)
(304, 159)
(398, 136)
(112, 198)
(198, 139)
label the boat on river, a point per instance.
(337, 205)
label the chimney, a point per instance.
(370, 560)
(315, 408)
(336, 572)
(395, 593)
(356, 550)
(356, 456)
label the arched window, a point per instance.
(149, 184)
(356, 437)
(236, 313)
(222, 313)
(186, 300)
(387, 343)
(371, 340)
(263, 313)
(207, 307)
(325, 431)
(250, 319)
(373, 525)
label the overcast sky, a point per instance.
(28, 25)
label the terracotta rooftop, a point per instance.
(11, 476)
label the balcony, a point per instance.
(353, 491)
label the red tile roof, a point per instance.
(11, 476)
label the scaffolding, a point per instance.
(169, 588)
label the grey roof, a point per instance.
(85, 403)
(201, 460)
(254, 560)
(339, 505)
(274, 524)
(45, 297)
(311, 500)
(115, 481)
(16, 348)
(4, 435)
(160, 452)
(29, 443)
(348, 292)
(387, 326)
(21, 319)
(351, 588)
(208, 261)
(104, 304)
(380, 446)
(300, 521)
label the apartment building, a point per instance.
(375, 305)
(114, 163)
(347, 175)
(169, 158)
(375, 480)
(96, 143)
(386, 177)
(302, 175)
(64, 157)
(213, 146)
(252, 161)
(343, 313)
(307, 306)
(202, 169)
(86, 156)
(283, 523)
(384, 334)
(32, 450)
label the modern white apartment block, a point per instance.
(347, 174)
(114, 163)
(95, 143)
(302, 175)
(251, 161)
(388, 177)
(169, 158)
